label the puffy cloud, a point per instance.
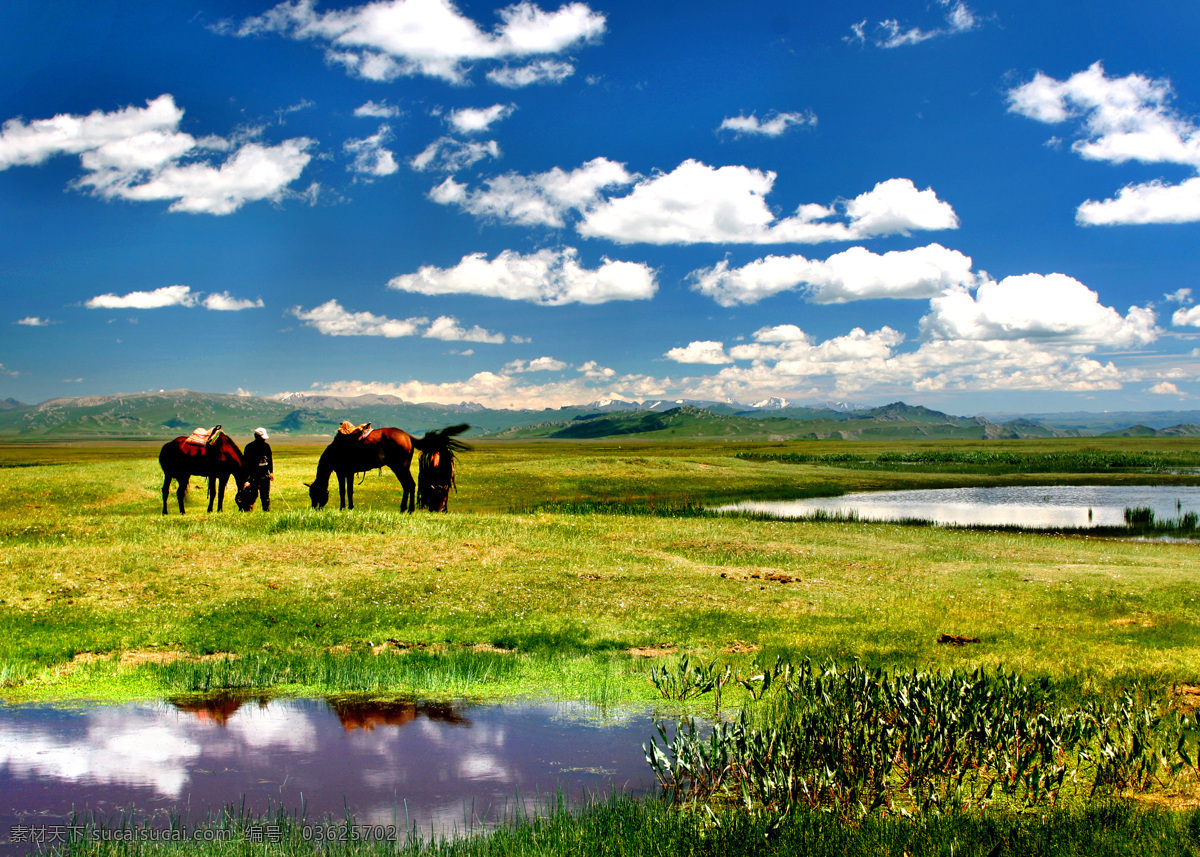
(696, 203)
(542, 199)
(332, 319)
(705, 351)
(389, 38)
(163, 297)
(228, 303)
(1186, 317)
(371, 158)
(1121, 119)
(1165, 388)
(854, 274)
(547, 277)
(138, 154)
(1036, 307)
(447, 327)
(1150, 202)
(890, 33)
(472, 120)
(377, 110)
(541, 71)
(773, 126)
(450, 155)
(539, 364)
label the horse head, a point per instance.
(318, 494)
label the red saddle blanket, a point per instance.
(204, 436)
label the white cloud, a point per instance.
(472, 120)
(450, 155)
(1051, 307)
(547, 277)
(1180, 296)
(162, 297)
(389, 38)
(332, 319)
(696, 203)
(773, 126)
(541, 71)
(538, 364)
(854, 274)
(227, 302)
(1165, 388)
(1186, 317)
(33, 321)
(371, 158)
(706, 351)
(377, 110)
(139, 154)
(447, 327)
(1121, 119)
(890, 34)
(542, 199)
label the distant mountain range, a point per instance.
(167, 414)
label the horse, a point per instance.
(373, 450)
(217, 460)
(435, 471)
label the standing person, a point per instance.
(260, 469)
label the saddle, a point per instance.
(203, 436)
(346, 431)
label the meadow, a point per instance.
(573, 570)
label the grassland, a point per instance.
(99, 593)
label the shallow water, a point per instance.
(440, 766)
(1025, 506)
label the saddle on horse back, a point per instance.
(347, 431)
(203, 436)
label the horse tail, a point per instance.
(443, 440)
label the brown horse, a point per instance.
(389, 447)
(217, 460)
(435, 470)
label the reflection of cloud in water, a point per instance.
(138, 747)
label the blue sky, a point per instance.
(976, 207)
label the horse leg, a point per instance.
(212, 492)
(166, 491)
(181, 491)
(342, 491)
(221, 491)
(350, 491)
(408, 501)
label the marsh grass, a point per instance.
(624, 826)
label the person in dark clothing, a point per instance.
(260, 470)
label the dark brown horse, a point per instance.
(435, 470)
(384, 447)
(217, 460)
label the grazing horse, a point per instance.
(217, 460)
(435, 471)
(391, 447)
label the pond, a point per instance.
(1025, 506)
(443, 767)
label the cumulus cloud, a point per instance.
(449, 155)
(541, 199)
(547, 277)
(539, 72)
(773, 126)
(1186, 317)
(371, 157)
(472, 120)
(387, 39)
(1165, 388)
(1121, 119)
(140, 154)
(332, 319)
(704, 351)
(538, 364)
(377, 110)
(34, 321)
(891, 34)
(692, 204)
(447, 327)
(854, 274)
(171, 296)
(1050, 307)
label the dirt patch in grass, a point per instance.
(659, 651)
(737, 647)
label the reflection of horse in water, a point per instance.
(217, 459)
(374, 450)
(366, 715)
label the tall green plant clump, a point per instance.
(854, 741)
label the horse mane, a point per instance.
(444, 440)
